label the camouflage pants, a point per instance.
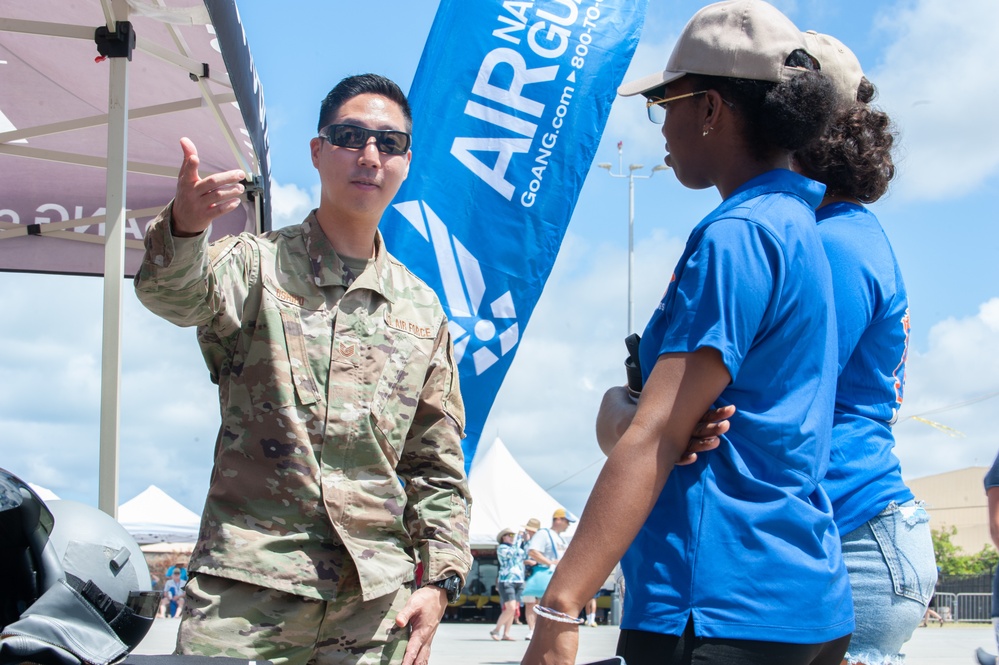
(225, 617)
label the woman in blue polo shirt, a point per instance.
(734, 557)
(887, 545)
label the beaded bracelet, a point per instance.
(555, 615)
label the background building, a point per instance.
(957, 498)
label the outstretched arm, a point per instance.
(176, 279)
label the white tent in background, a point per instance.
(155, 517)
(43, 493)
(503, 495)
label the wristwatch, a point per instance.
(451, 585)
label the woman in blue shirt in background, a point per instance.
(887, 545)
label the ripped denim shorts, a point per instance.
(892, 575)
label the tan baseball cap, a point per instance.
(838, 64)
(747, 39)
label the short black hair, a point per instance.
(362, 84)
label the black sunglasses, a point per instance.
(389, 141)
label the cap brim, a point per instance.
(646, 83)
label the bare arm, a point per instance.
(618, 408)
(680, 389)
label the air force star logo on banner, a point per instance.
(485, 334)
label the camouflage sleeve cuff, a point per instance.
(187, 250)
(443, 568)
(174, 280)
(163, 248)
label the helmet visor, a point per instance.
(15, 494)
(144, 603)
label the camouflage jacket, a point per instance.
(341, 412)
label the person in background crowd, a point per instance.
(172, 603)
(510, 582)
(546, 547)
(591, 612)
(530, 564)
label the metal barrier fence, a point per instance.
(963, 607)
(944, 604)
(974, 607)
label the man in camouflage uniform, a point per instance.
(338, 463)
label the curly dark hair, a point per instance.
(778, 116)
(361, 84)
(853, 157)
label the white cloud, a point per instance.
(50, 397)
(958, 369)
(290, 203)
(937, 83)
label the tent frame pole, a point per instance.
(114, 273)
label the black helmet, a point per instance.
(81, 591)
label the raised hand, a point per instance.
(200, 200)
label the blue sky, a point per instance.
(927, 58)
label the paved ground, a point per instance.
(469, 644)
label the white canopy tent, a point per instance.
(503, 495)
(153, 516)
(105, 93)
(44, 493)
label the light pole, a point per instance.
(630, 175)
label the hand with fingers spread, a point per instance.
(200, 200)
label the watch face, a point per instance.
(452, 585)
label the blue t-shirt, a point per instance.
(872, 314)
(743, 539)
